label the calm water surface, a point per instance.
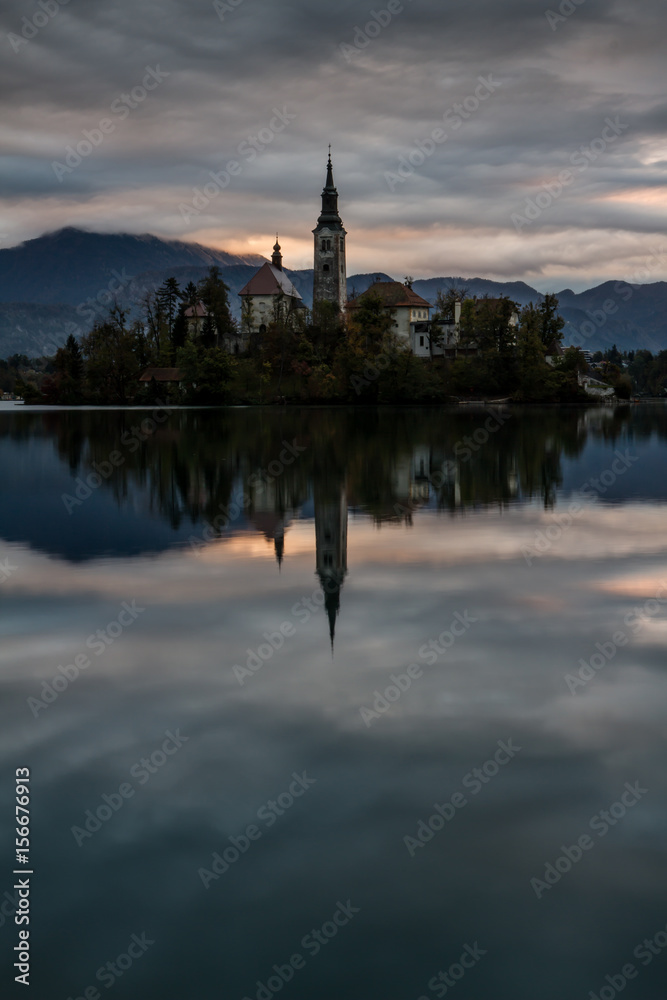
(405, 609)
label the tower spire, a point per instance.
(330, 282)
(277, 258)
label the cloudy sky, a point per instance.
(502, 98)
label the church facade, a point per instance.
(268, 297)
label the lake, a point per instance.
(328, 703)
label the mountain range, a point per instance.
(61, 282)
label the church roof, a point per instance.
(394, 294)
(270, 280)
(199, 311)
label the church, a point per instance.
(330, 277)
(270, 296)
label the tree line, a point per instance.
(319, 355)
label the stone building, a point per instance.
(411, 313)
(330, 280)
(268, 297)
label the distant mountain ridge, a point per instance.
(60, 282)
(71, 265)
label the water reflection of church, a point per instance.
(272, 516)
(331, 550)
(423, 476)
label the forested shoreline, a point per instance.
(322, 357)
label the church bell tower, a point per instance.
(330, 281)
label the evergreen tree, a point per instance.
(167, 296)
(551, 324)
(214, 294)
(67, 382)
(115, 357)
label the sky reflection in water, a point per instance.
(359, 514)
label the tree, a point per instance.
(155, 325)
(536, 380)
(66, 385)
(207, 373)
(487, 324)
(246, 319)
(614, 356)
(214, 294)
(445, 314)
(190, 294)
(326, 329)
(180, 329)
(208, 332)
(373, 322)
(114, 359)
(168, 295)
(279, 348)
(551, 324)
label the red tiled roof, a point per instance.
(162, 375)
(199, 311)
(394, 294)
(270, 280)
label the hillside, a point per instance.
(56, 284)
(69, 266)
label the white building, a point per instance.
(268, 297)
(411, 313)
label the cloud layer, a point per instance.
(446, 121)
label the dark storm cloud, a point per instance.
(556, 74)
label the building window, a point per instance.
(325, 268)
(262, 329)
(326, 244)
(421, 341)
